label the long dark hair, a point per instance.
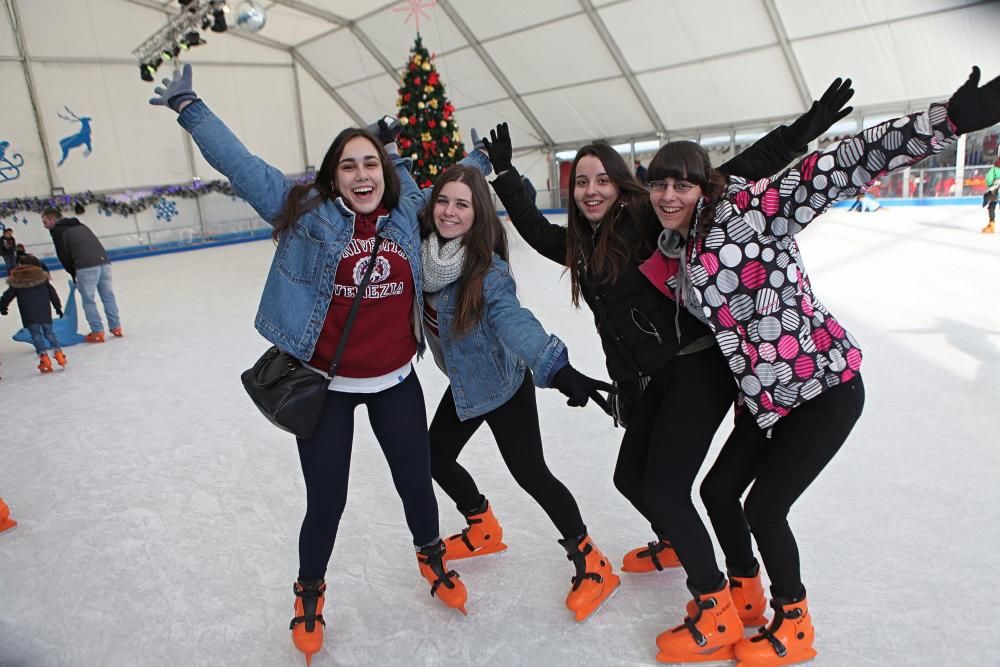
(485, 237)
(687, 161)
(305, 197)
(613, 249)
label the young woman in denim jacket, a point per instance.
(729, 255)
(492, 350)
(325, 233)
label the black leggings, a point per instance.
(663, 448)
(399, 421)
(781, 468)
(515, 428)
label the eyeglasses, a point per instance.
(680, 187)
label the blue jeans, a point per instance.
(39, 334)
(92, 281)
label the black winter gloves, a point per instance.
(175, 91)
(823, 113)
(972, 108)
(578, 388)
(386, 129)
(499, 148)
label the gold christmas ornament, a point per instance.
(426, 136)
(433, 103)
(417, 58)
(443, 124)
(420, 105)
(426, 67)
(433, 169)
(428, 89)
(413, 157)
(404, 121)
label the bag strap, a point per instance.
(342, 343)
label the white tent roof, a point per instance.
(567, 71)
(561, 72)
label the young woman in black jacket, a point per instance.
(647, 341)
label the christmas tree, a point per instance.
(430, 135)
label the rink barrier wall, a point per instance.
(264, 232)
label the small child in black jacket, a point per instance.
(29, 284)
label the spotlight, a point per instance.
(166, 54)
(146, 72)
(219, 21)
(192, 39)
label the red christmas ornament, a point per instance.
(406, 98)
(413, 120)
(431, 123)
(433, 79)
(417, 80)
(445, 141)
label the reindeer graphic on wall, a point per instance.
(10, 167)
(81, 138)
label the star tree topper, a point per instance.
(415, 8)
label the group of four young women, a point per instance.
(693, 283)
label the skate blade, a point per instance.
(583, 615)
(491, 550)
(723, 654)
(7, 525)
(780, 662)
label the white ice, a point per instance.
(159, 512)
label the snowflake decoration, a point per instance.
(166, 210)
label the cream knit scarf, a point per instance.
(443, 262)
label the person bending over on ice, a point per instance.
(674, 384)
(494, 352)
(728, 254)
(324, 231)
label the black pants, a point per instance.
(515, 427)
(399, 421)
(663, 448)
(781, 468)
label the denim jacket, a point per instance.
(486, 364)
(300, 281)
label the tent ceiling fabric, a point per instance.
(564, 72)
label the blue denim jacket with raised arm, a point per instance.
(300, 281)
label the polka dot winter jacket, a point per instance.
(782, 344)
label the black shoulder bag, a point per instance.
(290, 395)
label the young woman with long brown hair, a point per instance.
(361, 201)
(650, 345)
(494, 352)
(729, 256)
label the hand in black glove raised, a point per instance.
(386, 129)
(823, 113)
(973, 107)
(499, 148)
(59, 313)
(578, 388)
(176, 91)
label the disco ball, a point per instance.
(249, 16)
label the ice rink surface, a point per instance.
(159, 512)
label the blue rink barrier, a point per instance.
(232, 238)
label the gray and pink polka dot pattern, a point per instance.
(782, 344)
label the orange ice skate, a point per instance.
(307, 625)
(594, 581)
(483, 536)
(445, 585)
(787, 641)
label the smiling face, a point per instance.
(453, 212)
(674, 201)
(359, 176)
(593, 190)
